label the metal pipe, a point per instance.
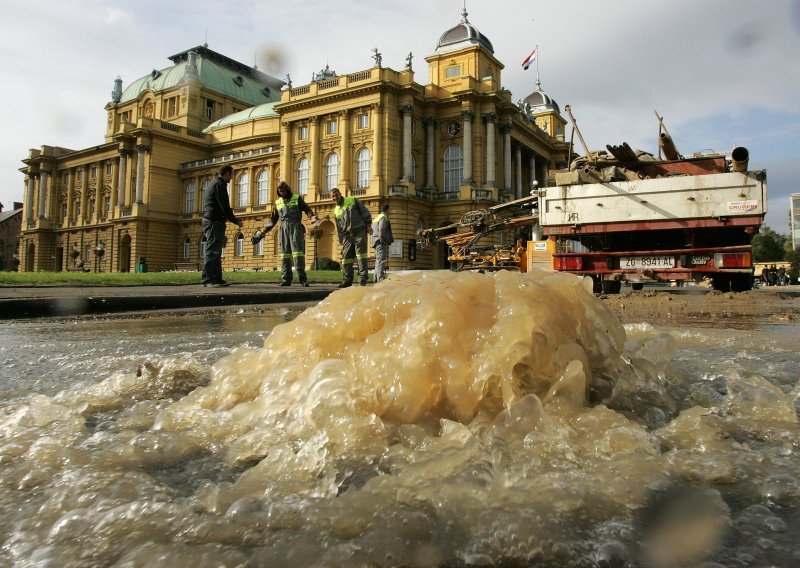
(568, 108)
(666, 144)
(739, 158)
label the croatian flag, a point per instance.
(529, 60)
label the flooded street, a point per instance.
(435, 419)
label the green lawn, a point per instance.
(146, 278)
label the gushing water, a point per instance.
(433, 419)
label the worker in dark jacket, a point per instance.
(289, 209)
(353, 222)
(381, 239)
(216, 211)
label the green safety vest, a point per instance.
(283, 206)
(346, 204)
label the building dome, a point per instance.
(539, 101)
(463, 35)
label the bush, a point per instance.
(325, 263)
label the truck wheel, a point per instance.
(721, 283)
(637, 285)
(741, 283)
(611, 286)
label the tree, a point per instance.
(769, 246)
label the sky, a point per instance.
(722, 73)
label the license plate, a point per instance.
(638, 262)
(699, 260)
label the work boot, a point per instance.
(304, 283)
(363, 282)
(285, 283)
(345, 285)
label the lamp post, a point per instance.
(316, 234)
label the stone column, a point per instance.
(466, 176)
(505, 130)
(491, 157)
(430, 152)
(114, 184)
(98, 193)
(44, 175)
(346, 161)
(286, 154)
(408, 115)
(533, 171)
(141, 150)
(70, 195)
(123, 175)
(313, 173)
(518, 171)
(29, 196)
(377, 143)
(84, 194)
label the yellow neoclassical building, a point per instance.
(432, 151)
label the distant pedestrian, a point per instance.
(289, 209)
(782, 280)
(381, 239)
(765, 275)
(773, 275)
(353, 222)
(216, 210)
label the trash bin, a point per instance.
(142, 266)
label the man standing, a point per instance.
(216, 210)
(289, 208)
(353, 222)
(381, 239)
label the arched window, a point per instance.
(363, 164)
(262, 192)
(258, 248)
(243, 191)
(239, 245)
(87, 257)
(302, 176)
(331, 171)
(453, 168)
(191, 198)
(206, 184)
(187, 245)
(202, 247)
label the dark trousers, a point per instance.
(215, 242)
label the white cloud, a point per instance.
(719, 71)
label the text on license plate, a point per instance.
(667, 261)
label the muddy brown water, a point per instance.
(431, 420)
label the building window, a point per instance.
(79, 176)
(125, 116)
(302, 133)
(170, 107)
(63, 210)
(205, 186)
(243, 191)
(187, 247)
(109, 168)
(78, 208)
(258, 248)
(91, 206)
(191, 196)
(413, 168)
(87, 257)
(363, 163)
(332, 127)
(107, 204)
(302, 176)
(453, 168)
(453, 71)
(331, 171)
(209, 109)
(202, 247)
(94, 172)
(239, 251)
(262, 193)
(363, 120)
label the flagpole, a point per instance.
(538, 83)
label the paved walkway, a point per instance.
(59, 301)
